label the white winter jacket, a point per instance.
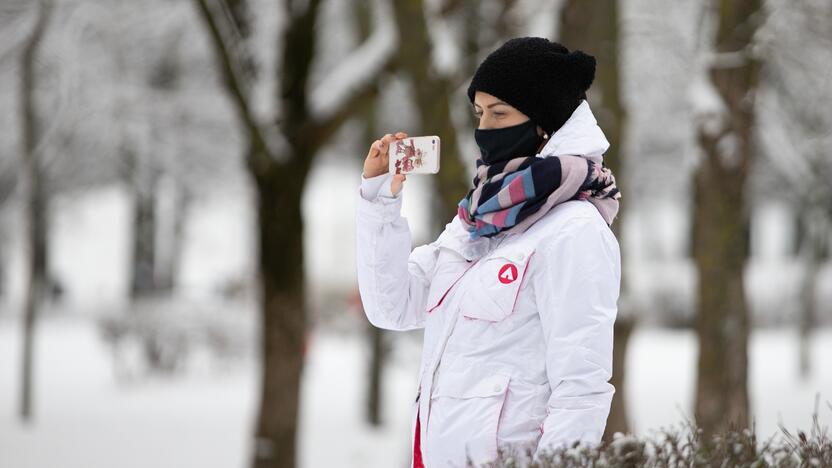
(518, 328)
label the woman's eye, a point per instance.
(499, 114)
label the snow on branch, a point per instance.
(261, 137)
(707, 106)
(358, 68)
(733, 59)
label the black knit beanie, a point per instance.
(538, 77)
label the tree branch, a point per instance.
(374, 57)
(260, 154)
(360, 97)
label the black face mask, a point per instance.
(500, 144)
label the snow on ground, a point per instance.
(661, 367)
(85, 418)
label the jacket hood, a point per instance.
(580, 135)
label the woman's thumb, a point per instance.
(396, 185)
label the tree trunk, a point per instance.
(167, 270)
(8, 183)
(814, 252)
(592, 26)
(36, 206)
(807, 314)
(375, 379)
(283, 314)
(142, 278)
(721, 225)
(142, 182)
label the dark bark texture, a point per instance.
(36, 204)
(721, 222)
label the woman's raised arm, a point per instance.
(393, 280)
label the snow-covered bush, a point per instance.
(686, 447)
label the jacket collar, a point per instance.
(580, 135)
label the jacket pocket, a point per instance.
(499, 279)
(465, 413)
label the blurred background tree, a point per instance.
(721, 215)
(33, 124)
(279, 155)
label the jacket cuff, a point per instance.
(382, 209)
(370, 186)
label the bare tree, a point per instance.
(279, 155)
(36, 202)
(721, 218)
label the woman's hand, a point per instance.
(377, 160)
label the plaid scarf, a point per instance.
(511, 195)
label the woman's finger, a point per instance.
(374, 149)
(397, 183)
(386, 139)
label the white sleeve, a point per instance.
(370, 186)
(576, 291)
(392, 280)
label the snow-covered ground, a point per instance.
(86, 419)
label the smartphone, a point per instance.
(414, 155)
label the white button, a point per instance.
(521, 256)
(497, 387)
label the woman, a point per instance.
(517, 296)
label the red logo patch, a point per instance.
(507, 274)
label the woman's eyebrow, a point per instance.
(498, 103)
